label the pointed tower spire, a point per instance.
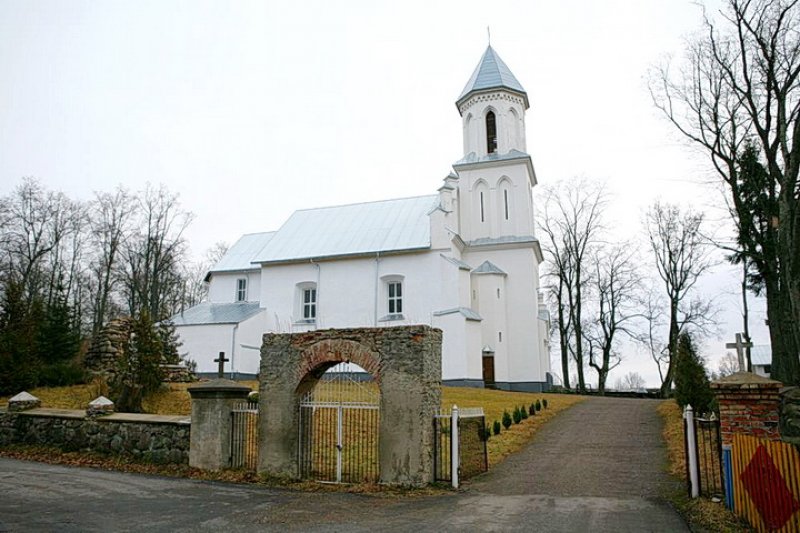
(492, 73)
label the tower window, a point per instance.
(505, 201)
(482, 215)
(491, 133)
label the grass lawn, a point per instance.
(702, 513)
(175, 400)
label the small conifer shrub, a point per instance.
(523, 412)
(532, 409)
(506, 420)
(496, 427)
(517, 416)
(538, 405)
(544, 403)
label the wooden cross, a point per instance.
(739, 346)
(221, 360)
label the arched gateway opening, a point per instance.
(339, 426)
(306, 426)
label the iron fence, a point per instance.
(708, 450)
(339, 428)
(473, 458)
(244, 435)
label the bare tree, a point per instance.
(154, 255)
(729, 364)
(617, 285)
(111, 226)
(681, 256)
(737, 96)
(195, 275)
(649, 337)
(631, 381)
(572, 222)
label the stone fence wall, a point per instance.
(156, 438)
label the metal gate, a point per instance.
(473, 456)
(708, 451)
(244, 435)
(339, 422)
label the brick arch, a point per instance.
(337, 351)
(319, 357)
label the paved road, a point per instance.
(597, 467)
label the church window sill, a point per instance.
(392, 317)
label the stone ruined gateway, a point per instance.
(406, 363)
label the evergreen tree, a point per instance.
(691, 381)
(140, 371)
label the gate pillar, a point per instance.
(406, 362)
(210, 437)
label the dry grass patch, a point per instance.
(495, 402)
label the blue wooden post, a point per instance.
(727, 475)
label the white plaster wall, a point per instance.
(493, 311)
(473, 354)
(203, 344)
(454, 345)
(249, 335)
(347, 289)
(520, 220)
(519, 355)
(222, 287)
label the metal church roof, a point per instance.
(355, 229)
(492, 73)
(211, 313)
(761, 354)
(487, 267)
(466, 312)
(240, 255)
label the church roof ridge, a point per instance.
(491, 73)
(386, 200)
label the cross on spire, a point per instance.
(221, 360)
(739, 346)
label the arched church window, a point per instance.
(491, 133)
(505, 202)
(483, 217)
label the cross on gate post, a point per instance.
(739, 346)
(221, 360)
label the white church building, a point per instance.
(465, 260)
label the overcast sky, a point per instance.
(251, 110)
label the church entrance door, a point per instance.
(339, 422)
(488, 371)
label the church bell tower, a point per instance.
(496, 174)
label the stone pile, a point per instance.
(107, 347)
(177, 374)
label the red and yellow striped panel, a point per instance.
(766, 483)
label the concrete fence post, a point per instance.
(691, 452)
(454, 446)
(210, 437)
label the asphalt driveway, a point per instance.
(597, 467)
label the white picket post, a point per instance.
(691, 451)
(454, 446)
